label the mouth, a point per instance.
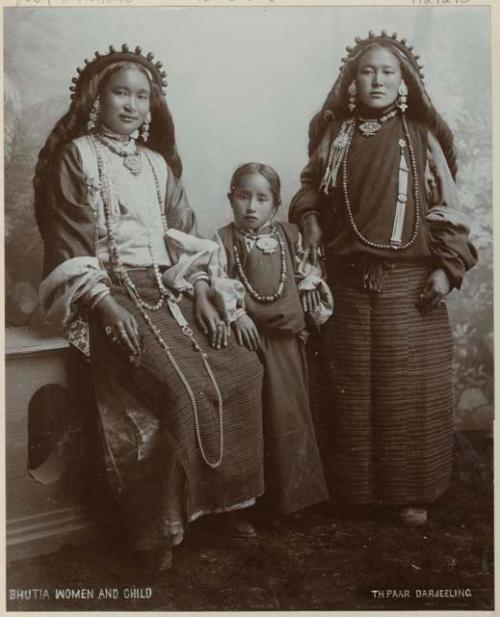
(251, 217)
(377, 94)
(125, 118)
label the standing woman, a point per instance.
(379, 194)
(180, 423)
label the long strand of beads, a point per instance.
(188, 332)
(246, 283)
(115, 261)
(143, 306)
(416, 196)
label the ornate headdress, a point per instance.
(93, 67)
(399, 45)
(420, 104)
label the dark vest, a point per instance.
(263, 274)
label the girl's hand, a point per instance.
(435, 289)
(312, 238)
(247, 333)
(208, 317)
(310, 300)
(119, 324)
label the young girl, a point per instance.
(180, 423)
(261, 256)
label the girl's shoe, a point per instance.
(236, 526)
(413, 517)
(158, 560)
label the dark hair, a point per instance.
(420, 106)
(74, 124)
(264, 170)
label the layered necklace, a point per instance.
(267, 243)
(121, 273)
(129, 152)
(395, 242)
(371, 126)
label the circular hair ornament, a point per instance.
(92, 67)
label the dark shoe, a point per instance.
(158, 560)
(413, 517)
(238, 527)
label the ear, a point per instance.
(230, 196)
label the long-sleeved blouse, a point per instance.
(372, 184)
(149, 218)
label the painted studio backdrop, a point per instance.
(243, 84)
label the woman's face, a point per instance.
(252, 201)
(125, 101)
(378, 78)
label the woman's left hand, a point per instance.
(435, 289)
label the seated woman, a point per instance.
(181, 427)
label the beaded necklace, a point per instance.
(283, 272)
(393, 245)
(132, 160)
(120, 271)
(371, 126)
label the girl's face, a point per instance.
(252, 202)
(378, 78)
(125, 101)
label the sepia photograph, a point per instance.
(248, 283)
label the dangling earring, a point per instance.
(93, 120)
(352, 91)
(144, 129)
(402, 96)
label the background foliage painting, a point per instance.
(243, 84)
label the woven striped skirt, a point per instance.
(162, 421)
(388, 373)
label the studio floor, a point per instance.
(329, 560)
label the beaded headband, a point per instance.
(91, 67)
(383, 38)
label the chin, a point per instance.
(379, 103)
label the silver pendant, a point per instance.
(370, 127)
(133, 162)
(267, 244)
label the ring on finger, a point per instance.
(108, 330)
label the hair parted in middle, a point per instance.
(266, 171)
(87, 87)
(420, 106)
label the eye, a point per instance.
(263, 198)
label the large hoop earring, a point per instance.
(352, 91)
(144, 128)
(401, 100)
(95, 111)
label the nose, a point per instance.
(130, 104)
(377, 79)
(252, 205)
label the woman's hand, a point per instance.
(311, 299)
(435, 289)
(208, 317)
(312, 233)
(119, 324)
(247, 333)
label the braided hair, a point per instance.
(420, 106)
(74, 124)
